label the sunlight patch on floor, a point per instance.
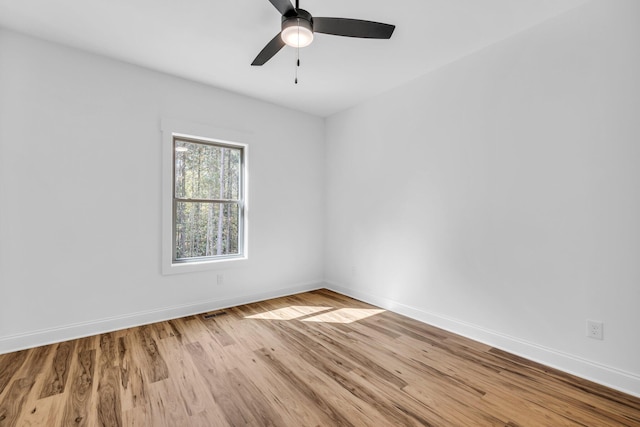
(318, 314)
(289, 313)
(344, 315)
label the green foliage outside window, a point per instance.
(208, 199)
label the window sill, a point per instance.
(208, 265)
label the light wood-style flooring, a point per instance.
(314, 359)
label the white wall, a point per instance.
(80, 195)
(499, 196)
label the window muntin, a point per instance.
(208, 200)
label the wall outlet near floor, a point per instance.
(594, 329)
(220, 279)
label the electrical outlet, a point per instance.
(220, 279)
(594, 329)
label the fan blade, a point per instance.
(284, 6)
(269, 50)
(353, 28)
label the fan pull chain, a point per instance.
(297, 64)
(298, 54)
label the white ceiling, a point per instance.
(214, 42)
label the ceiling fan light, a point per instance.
(297, 32)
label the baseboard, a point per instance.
(78, 330)
(611, 377)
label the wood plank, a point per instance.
(44, 413)
(156, 367)
(132, 383)
(323, 403)
(36, 411)
(57, 377)
(11, 405)
(193, 395)
(108, 409)
(76, 410)
(232, 411)
(218, 332)
(165, 406)
(10, 364)
(108, 402)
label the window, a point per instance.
(207, 200)
(204, 182)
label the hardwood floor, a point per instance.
(314, 359)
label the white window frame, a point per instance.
(174, 128)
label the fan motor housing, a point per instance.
(302, 18)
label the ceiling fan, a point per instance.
(298, 27)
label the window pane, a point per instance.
(206, 229)
(205, 171)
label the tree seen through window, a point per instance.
(208, 199)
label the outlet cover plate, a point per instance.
(595, 329)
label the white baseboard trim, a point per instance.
(83, 329)
(617, 379)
